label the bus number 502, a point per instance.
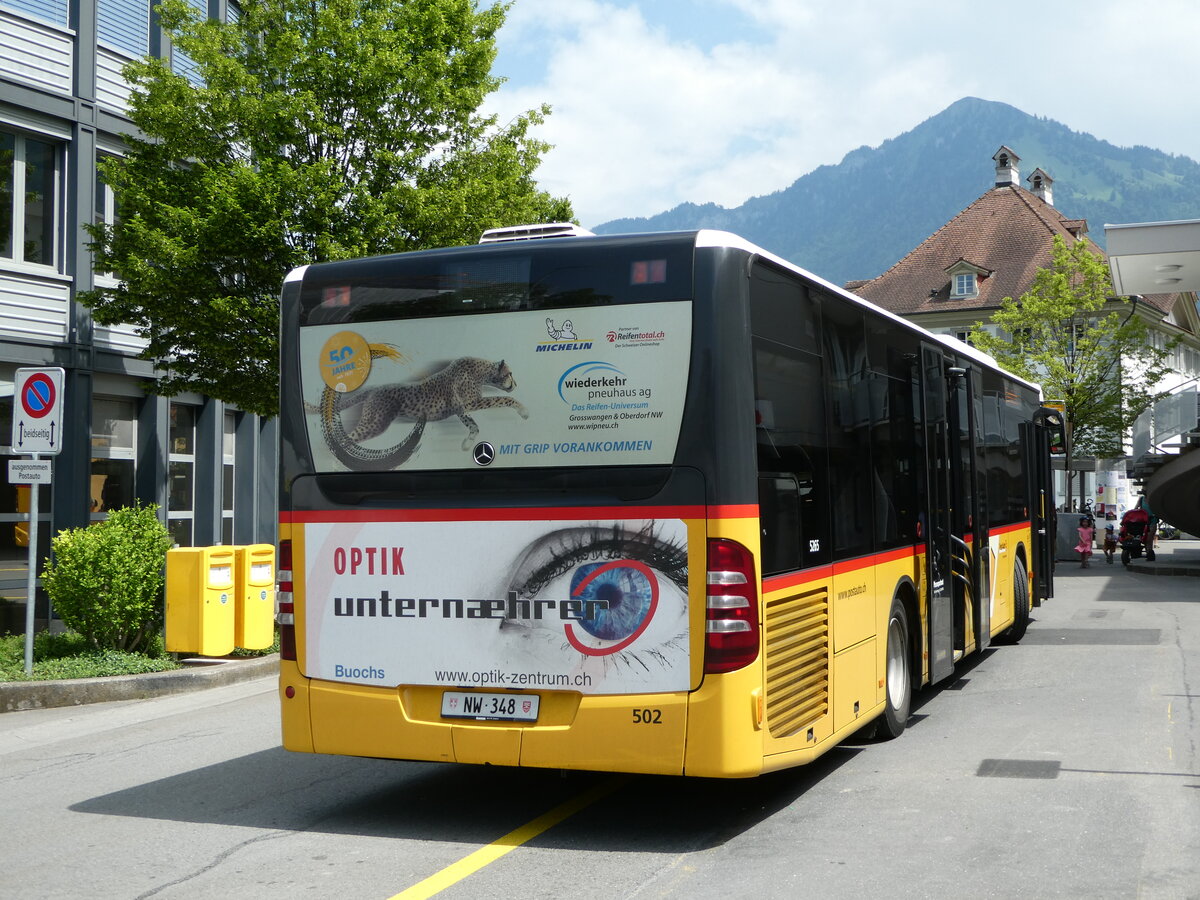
(647, 717)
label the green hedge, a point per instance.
(106, 580)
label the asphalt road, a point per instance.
(1067, 766)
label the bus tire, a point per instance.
(898, 675)
(1016, 630)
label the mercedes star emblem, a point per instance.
(484, 453)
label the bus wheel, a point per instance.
(1016, 630)
(898, 675)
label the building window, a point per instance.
(181, 63)
(181, 472)
(114, 433)
(53, 11)
(107, 211)
(228, 446)
(28, 198)
(964, 285)
(106, 198)
(124, 25)
(964, 335)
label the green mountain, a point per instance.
(857, 218)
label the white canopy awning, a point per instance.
(1154, 257)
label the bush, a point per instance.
(106, 581)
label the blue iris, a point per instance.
(627, 592)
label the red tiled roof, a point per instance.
(1161, 302)
(1007, 230)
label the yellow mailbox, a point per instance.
(254, 617)
(200, 600)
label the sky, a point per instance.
(660, 102)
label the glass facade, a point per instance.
(228, 448)
(114, 428)
(181, 474)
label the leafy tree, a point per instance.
(318, 130)
(1086, 348)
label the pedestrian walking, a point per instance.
(1110, 542)
(1087, 534)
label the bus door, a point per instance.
(1039, 438)
(968, 537)
(938, 526)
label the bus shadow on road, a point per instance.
(960, 681)
(279, 791)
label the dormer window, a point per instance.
(965, 278)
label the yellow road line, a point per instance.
(456, 872)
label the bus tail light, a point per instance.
(285, 610)
(731, 622)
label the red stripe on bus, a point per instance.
(493, 515)
(795, 579)
(779, 582)
(843, 567)
(730, 511)
(875, 559)
(1009, 529)
(734, 511)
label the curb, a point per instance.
(200, 674)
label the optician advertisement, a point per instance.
(586, 386)
(598, 607)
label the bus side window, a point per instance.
(791, 436)
(851, 476)
(779, 520)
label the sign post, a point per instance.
(36, 430)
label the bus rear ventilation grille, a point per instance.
(797, 641)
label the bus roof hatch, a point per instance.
(533, 232)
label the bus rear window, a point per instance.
(496, 278)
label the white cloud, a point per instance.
(651, 110)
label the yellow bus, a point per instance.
(646, 503)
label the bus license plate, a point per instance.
(503, 707)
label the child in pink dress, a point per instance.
(1087, 534)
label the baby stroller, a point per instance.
(1133, 536)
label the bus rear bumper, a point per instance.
(643, 734)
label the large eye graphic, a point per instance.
(631, 584)
(620, 597)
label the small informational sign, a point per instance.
(29, 471)
(37, 411)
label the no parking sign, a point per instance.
(37, 411)
(37, 431)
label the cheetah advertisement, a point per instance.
(567, 387)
